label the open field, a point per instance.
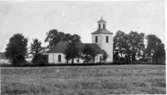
(80, 80)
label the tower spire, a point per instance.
(101, 18)
(102, 23)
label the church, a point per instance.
(102, 40)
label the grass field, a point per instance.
(80, 80)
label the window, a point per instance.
(59, 58)
(78, 60)
(107, 39)
(104, 26)
(99, 26)
(96, 39)
(101, 58)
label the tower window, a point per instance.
(107, 39)
(104, 26)
(96, 39)
(99, 26)
(59, 58)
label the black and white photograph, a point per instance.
(82, 47)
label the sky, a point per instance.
(35, 18)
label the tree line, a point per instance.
(129, 48)
(137, 47)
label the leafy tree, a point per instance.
(89, 53)
(74, 48)
(128, 46)
(36, 47)
(155, 49)
(120, 45)
(40, 60)
(104, 55)
(159, 55)
(132, 46)
(71, 52)
(153, 43)
(54, 36)
(16, 49)
(136, 44)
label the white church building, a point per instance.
(102, 40)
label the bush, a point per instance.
(40, 60)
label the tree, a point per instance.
(120, 45)
(104, 55)
(153, 43)
(155, 49)
(159, 55)
(38, 58)
(36, 47)
(54, 36)
(127, 47)
(74, 48)
(16, 49)
(90, 52)
(136, 44)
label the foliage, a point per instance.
(156, 49)
(130, 48)
(16, 49)
(136, 44)
(89, 53)
(40, 60)
(74, 48)
(54, 36)
(36, 47)
(120, 45)
(74, 43)
(104, 55)
(153, 43)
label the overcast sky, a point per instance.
(34, 19)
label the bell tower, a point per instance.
(104, 39)
(101, 24)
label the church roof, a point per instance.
(102, 31)
(60, 47)
(95, 47)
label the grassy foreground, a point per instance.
(80, 80)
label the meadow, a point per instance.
(83, 80)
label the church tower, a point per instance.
(104, 39)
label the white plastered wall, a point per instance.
(53, 58)
(108, 47)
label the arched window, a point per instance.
(78, 60)
(96, 39)
(107, 40)
(101, 58)
(59, 58)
